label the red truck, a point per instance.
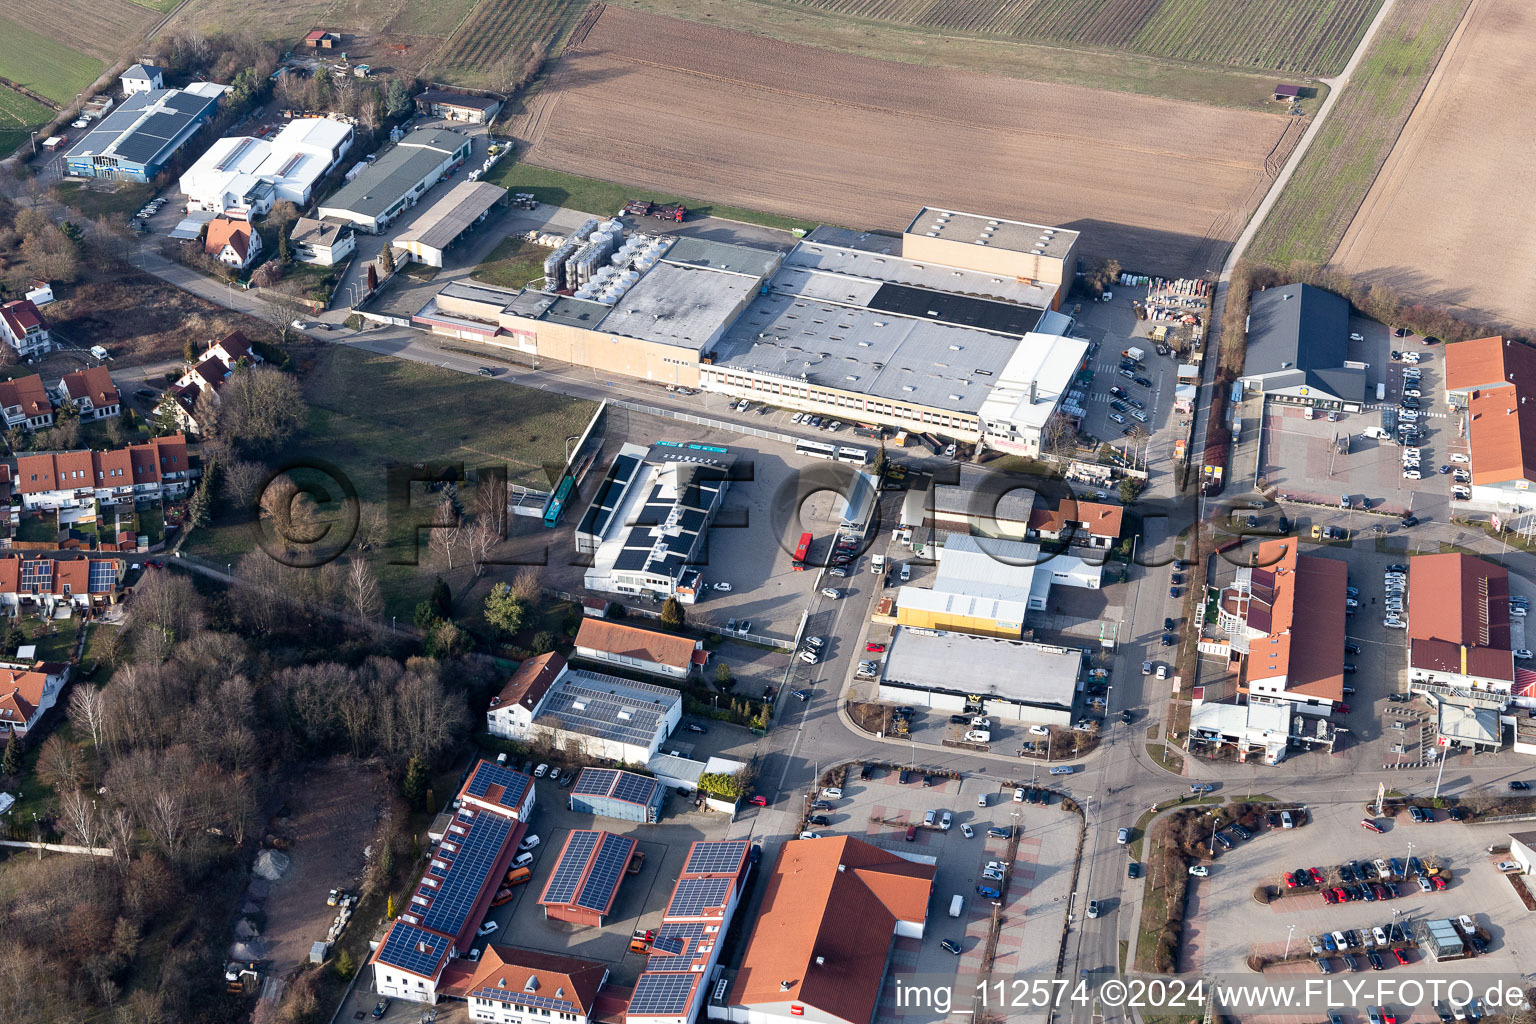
(661, 211)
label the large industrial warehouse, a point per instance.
(961, 340)
(1009, 679)
(397, 179)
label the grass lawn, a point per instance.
(606, 198)
(47, 67)
(57, 644)
(19, 115)
(512, 264)
(151, 521)
(125, 200)
(369, 412)
(38, 529)
(1310, 217)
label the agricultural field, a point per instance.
(19, 117)
(1444, 219)
(105, 29)
(48, 68)
(666, 105)
(498, 31)
(1301, 37)
(1312, 214)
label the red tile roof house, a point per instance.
(24, 402)
(25, 329)
(67, 481)
(26, 694)
(512, 711)
(1458, 626)
(209, 373)
(507, 983)
(642, 650)
(232, 242)
(1080, 523)
(91, 390)
(822, 943)
(44, 584)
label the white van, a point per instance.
(956, 905)
(1286, 821)
(98, 352)
(981, 800)
(877, 564)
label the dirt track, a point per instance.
(1445, 219)
(732, 118)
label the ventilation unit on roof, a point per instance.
(909, 387)
(955, 348)
(954, 398)
(992, 223)
(981, 241)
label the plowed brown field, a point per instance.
(1447, 218)
(652, 102)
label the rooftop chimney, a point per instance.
(821, 961)
(784, 986)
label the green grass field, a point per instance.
(19, 117)
(368, 412)
(512, 264)
(46, 67)
(606, 198)
(96, 202)
(1310, 217)
(1303, 37)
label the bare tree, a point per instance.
(280, 308)
(166, 819)
(526, 585)
(491, 502)
(362, 590)
(165, 609)
(243, 480)
(86, 710)
(447, 536)
(80, 817)
(372, 528)
(59, 765)
(120, 833)
(479, 538)
(260, 407)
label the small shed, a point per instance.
(1287, 92)
(321, 39)
(611, 793)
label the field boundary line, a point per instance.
(1436, 78)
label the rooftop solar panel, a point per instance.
(596, 781)
(634, 789)
(514, 784)
(103, 577)
(674, 939)
(187, 103)
(524, 998)
(607, 871)
(138, 148)
(662, 993)
(716, 858)
(693, 896)
(468, 873)
(573, 864)
(162, 125)
(402, 949)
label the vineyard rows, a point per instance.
(507, 29)
(1304, 37)
(1332, 180)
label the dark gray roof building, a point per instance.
(1298, 347)
(378, 194)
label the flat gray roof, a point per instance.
(383, 183)
(475, 292)
(596, 704)
(865, 241)
(1298, 334)
(1013, 669)
(878, 268)
(738, 259)
(998, 232)
(865, 351)
(451, 216)
(679, 305)
(576, 313)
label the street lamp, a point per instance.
(1289, 931)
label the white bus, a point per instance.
(816, 449)
(856, 456)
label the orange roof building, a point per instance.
(1081, 523)
(643, 650)
(26, 694)
(1491, 379)
(1286, 613)
(68, 479)
(231, 241)
(92, 391)
(25, 402)
(820, 947)
(1458, 623)
(523, 981)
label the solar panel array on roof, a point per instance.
(36, 576)
(402, 949)
(525, 999)
(514, 784)
(607, 871)
(607, 707)
(674, 939)
(662, 993)
(573, 864)
(186, 102)
(693, 896)
(721, 858)
(103, 577)
(598, 781)
(634, 789)
(466, 872)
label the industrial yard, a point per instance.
(626, 104)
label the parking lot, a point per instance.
(1310, 457)
(1033, 902)
(1224, 925)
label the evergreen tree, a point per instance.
(414, 786)
(672, 616)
